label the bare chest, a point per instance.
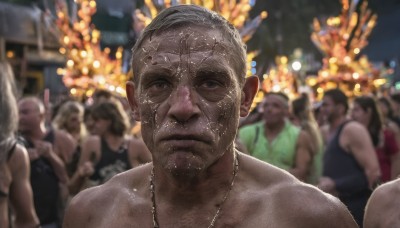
(242, 211)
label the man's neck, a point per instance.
(334, 124)
(37, 133)
(272, 130)
(211, 183)
(113, 141)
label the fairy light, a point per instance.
(80, 45)
(341, 39)
(236, 12)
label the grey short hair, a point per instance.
(185, 15)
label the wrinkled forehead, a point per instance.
(183, 41)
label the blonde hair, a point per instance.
(8, 107)
(64, 113)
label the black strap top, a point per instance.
(343, 168)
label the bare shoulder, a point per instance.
(386, 191)
(63, 136)
(97, 206)
(282, 195)
(19, 160)
(310, 207)
(19, 153)
(382, 208)
(354, 129)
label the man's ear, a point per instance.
(132, 99)
(249, 91)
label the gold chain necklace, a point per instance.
(212, 224)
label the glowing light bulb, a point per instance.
(96, 64)
(70, 63)
(296, 65)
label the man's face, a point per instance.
(188, 98)
(100, 126)
(29, 116)
(274, 109)
(329, 109)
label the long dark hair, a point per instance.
(112, 110)
(375, 123)
(388, 105)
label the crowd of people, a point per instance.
(347, 155)
(203, 158)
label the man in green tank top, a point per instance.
(277, 141)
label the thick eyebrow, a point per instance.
(221, 72)
(210, 66)
(155, 72)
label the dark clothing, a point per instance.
(111, 163)
(45, 185)
(349, 177)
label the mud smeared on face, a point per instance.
(189, 96)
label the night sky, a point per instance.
(384, 42)
(295, 27)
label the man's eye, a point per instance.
(210, 84)
(159, 85)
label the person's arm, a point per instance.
(65, 146)
(85, 165)
(21, 196)
(138, 152)
(359, 143)
(45, 149)
(303, 156)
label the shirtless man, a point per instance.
(383, 207)
(189, 91)
(15, 188)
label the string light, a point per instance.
(86, 61)
(341, 40)
(235, 11)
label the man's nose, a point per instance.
(182, 106)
